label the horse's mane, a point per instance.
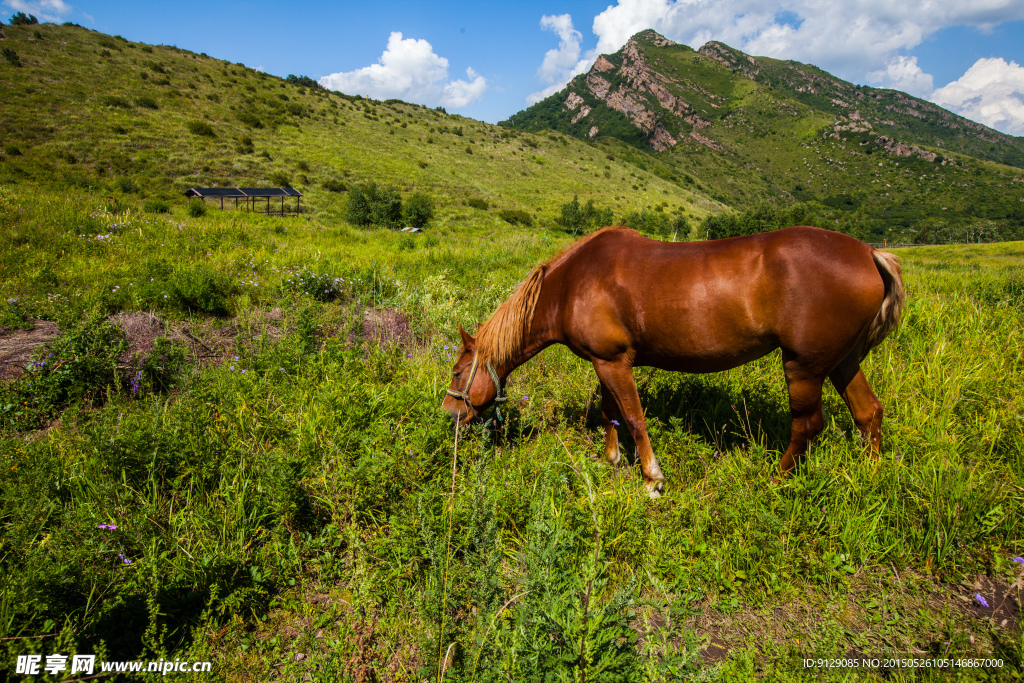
(501, 339)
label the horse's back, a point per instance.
(706, 306)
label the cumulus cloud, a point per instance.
(991, 92)
(562, 63)
(904, 74)
(410, 70)
(849, 39)
(47, 10)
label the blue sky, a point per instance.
(489, 60)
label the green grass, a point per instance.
(294, 504)
(305, 505)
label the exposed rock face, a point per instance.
(902, 149)
(573, 101)
(722, 54)
(631, 97)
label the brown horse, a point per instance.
(620, 300)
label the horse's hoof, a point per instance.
(654, 490)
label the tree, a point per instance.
(419, 209)
(19, 19)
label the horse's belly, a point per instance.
(704, 359)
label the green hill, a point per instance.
(110, 116)
(746, 129)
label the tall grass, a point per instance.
(302, 499)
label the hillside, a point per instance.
(746, 129)
(113, 117)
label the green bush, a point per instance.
(371, 205)
(280, 179)
(477, 203)
(146, 102)
(516, 216)
(576, 218)
(160, 369)
(11, 56)
(14, 315)
(126, 185)
(419, 209)
(201, 128)
(79, 366)
(116, 101)
(189, 289)
(196, 209)
(20, 19)
(332, 185)
(156, 206)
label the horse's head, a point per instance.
(472, 390)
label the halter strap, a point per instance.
(464, 394)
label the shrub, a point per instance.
(477, 203)
(11, 57)
(146, 102)
(419, 209)
(196, 209)
(20, 19)
(280, 179)
(249, 118)
(359, 212)
(516, 216)
(372, 205)
(115, 101)
(156, 206)
(648, 222)
(201, 128)
(302, 166)
(126, 185)
(332, 185)
(576, 218)
(189, 289)
(14, 315)
(147, 49)
(79, 366)
(245, 145)
(12, 151)
(322, 286)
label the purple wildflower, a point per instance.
(614, 422)
(107, 527)
(1018, 560)
(124, 559)
(981, 599)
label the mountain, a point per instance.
(746, 129)
(84, 112)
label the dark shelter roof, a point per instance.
(242, 192)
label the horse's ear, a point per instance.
(467, 339)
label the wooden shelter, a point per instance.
(252, 197)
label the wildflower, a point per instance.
(124, 559)
(1018, 560)
(445, 347)
(107, 527)
(614, 422)
(980, 599)
(408, 355)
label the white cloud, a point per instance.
(47, 10)
(849, 39)
(904, 74)
(564, 62)
(409, 70)
(991, 92)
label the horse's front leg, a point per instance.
(612, 418)
(617, 378)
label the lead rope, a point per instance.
(494, 424)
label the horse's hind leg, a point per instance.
(805, 408)
(849, 381)
(612, 417)
(617, 378)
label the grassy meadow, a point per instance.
(293, 503)
(253, 403)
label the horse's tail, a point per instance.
(892, 304)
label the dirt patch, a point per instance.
(17, 346)
(387, 326)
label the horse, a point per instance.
(621, 300)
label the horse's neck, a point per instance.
(545, 328)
